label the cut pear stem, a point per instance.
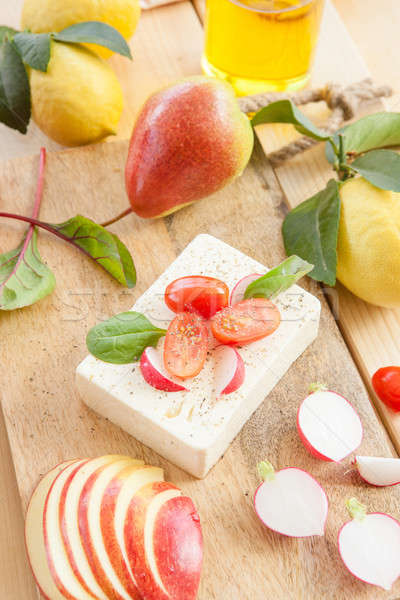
(124, 213)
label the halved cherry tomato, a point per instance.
(186, 343)
(386, 383)
(246, 321)
(196, 293)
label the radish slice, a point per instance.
(154, 373)
(369, 546)
(291, 502)
(379, 471)
(237, 293)
(229, 370)
(328, 425)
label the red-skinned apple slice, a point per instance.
(155, 374)
(34, 535)
(379, 471)
(237, 293)
(328, 425)
(69, 513)
(229, 370)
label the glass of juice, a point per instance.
(261, 45)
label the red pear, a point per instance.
(189, 141)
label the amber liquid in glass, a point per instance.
(261, 45)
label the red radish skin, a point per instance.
(154, 373)
(229, 370)
(238, 290)
(379, 463)
(308, 444)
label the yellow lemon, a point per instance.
(369, 242)
(79, 100)
(54, 15)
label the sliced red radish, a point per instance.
(378, 471)
(155, 374)
(369, 546)
(237, 293)
(229, 370)
(290, 502)
(328, 425)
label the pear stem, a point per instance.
(127, 211)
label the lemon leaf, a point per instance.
(15, 97)
(95, 32)
(311, 231)
(381, 168)
(34, 49)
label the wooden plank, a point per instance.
(47, 422)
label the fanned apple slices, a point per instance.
(111, 528)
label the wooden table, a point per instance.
(375, 31)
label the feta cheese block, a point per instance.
(194, 428)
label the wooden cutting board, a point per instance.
(41, 346)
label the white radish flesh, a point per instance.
(154, 373)
(369, 546)
(292, 503)
(379, 471)
(229, 370)
(328, 426)
(237, 293)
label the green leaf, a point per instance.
(6, 32)
(95, 32)
(279, 279)
(373, 131)
(15, 98)
(34, 49)
(311, 229)
(284, 111)
(24, 278)
(101, 245)
(381, 168)
(123, 338)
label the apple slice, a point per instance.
(237, 293)
(290, 502)
(328, 425)
(229, 370)
(69, 515)
(369, 546)
(378, 471)
(34, 535)
(153, 371)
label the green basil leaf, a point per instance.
(15, 98)
(284, 111)
(370, 132)
(95, 32)
(24, 278)
(123, 338)
(381, 168)
(34, 49)
(6, 32)
(279, 279)
(311, 229)
(101, 245)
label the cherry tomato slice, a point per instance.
(196, 293)
(186, 343)
(246, 321)
(386, 383)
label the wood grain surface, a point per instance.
(84, 295)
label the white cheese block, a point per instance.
(193, 429)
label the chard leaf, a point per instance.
(381, 168)
(15, 97)
(311, 229)
(123, 338)
(101, 245)
(284, 111)
(34, 49)
(24, 278)
(279, 279)
(95, 32)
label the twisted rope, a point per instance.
(344, 103)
